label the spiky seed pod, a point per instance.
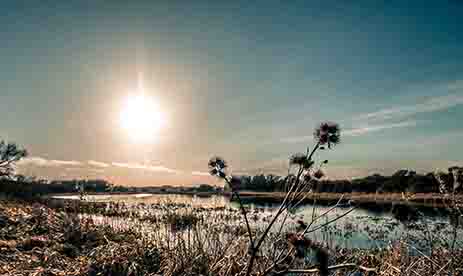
(301, 244)
(318, 174)
(298, 159)
(324, 127)
(217, 162)
(324, 138)
(328, 133)
(217, 167)
(334, 140)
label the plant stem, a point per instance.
(325, 213)
(280, 210)
(243, 211)
(333, 220)
(313, 151)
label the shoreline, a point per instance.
(434, 200)
(426, 199)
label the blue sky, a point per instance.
(244, 80)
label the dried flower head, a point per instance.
(297, 159)
(301, 159)
(328, 133)
(301, 244)
(318, 174)
(217, 167)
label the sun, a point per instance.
(141, 117)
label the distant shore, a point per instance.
(418, 199)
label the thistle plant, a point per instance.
(217, 167)
(449, 185)
(303, 173)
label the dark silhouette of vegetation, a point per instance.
(10, 154)
(402, 181)
(33, 188)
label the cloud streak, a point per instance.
(144, 167)
(65, 163)
(430, 105)
(375, 128)
(358, 131)
(42, 162)
(97, 164)
(200, 173)
(366, 122)
(36, 161)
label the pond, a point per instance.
(361, 228)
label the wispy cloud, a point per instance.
(200, 173)
(66, 163)
(376, 121)
(357, 131)
(429, 105)
(72, 165)
(42, 162)
(374, 128)
(145, 167)
(97, 164)
(36, 161)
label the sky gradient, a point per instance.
(246, 80)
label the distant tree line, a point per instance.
(24, 187)
(28, 187)
(401, 181)
(201, 188)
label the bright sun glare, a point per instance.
(141, 117)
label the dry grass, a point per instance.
(38, 240)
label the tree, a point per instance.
(10, 153)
